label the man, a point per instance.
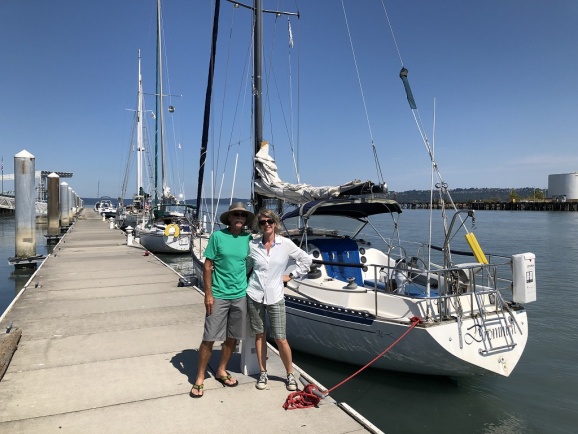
(225, 283)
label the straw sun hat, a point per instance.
(239, 207)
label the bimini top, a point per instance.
(356, 208)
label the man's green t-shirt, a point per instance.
(229, 254)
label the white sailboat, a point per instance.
(169, 228)
(133, 214)
(399, 306)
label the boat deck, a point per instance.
(110, 344)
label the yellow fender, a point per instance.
(175, 227)
(476, 249)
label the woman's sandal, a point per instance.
(199, 389)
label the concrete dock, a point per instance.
(110, 344)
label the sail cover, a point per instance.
(269, 184)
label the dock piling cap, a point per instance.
(24, 154)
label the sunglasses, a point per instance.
(268, 221)
(240, 214)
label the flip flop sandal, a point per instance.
(199, 388)
(223, 380)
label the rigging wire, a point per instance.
(374, 149)
(270, 74)
(241, 97)
(442, 186)
(218, 136)
(173, 152)
(292, 129)
(216, 158)
(430, 228)
(391, 31)
(298, 144)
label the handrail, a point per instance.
(480, 280)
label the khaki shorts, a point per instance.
(277, 321)
(227, 320)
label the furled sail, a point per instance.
(269, 184)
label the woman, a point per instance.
(269, 255)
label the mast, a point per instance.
(258, 85)
(258, 93)
(160, 111)
(139, 133)
(207, 113)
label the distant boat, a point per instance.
(105, 207)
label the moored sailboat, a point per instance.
(169, 228)
(410, 307)
(133, 214)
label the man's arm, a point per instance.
(208, 281)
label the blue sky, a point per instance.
(503, 75)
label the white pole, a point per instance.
(139, 135)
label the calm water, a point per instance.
(12, 280)
(539, 396)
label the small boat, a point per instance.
(105, 207)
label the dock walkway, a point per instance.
(110, 343)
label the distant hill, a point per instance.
(473, 194)
(422, 196)
(458, 194)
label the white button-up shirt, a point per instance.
(266, 281)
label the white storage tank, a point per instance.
(563, 186)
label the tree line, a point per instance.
(474, 195)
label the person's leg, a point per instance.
(214, 330)
(261, 350)
(286, 358)
(277, 318)
(278, 332)
(285, 354)
(236, 317)
(205, 350)
(226, 351)
(256, 312)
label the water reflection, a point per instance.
(409, 403)
(20, 276)
(13, 279)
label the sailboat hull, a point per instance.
(356, 326)
(356, 337)
(158, 242)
